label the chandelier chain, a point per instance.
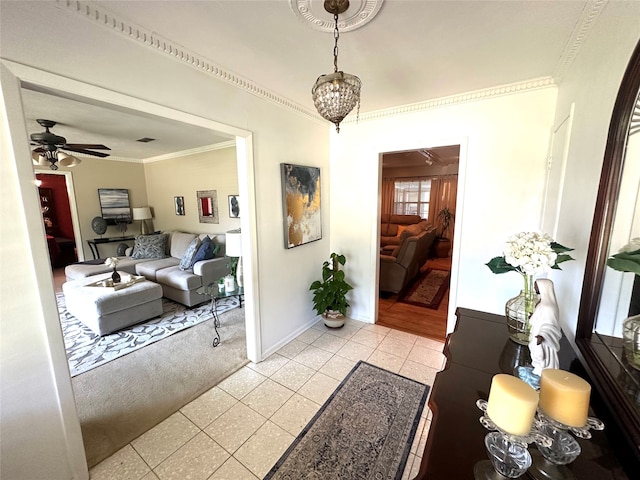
(336, 36)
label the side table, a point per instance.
(93, 244)
(214, 294)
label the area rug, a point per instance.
(86, 350)
(364, 430)
(429, 289)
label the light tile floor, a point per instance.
(241, 427)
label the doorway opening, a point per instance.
(59, 225)
(418, 208)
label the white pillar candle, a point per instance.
(512, 404)
(564, 397)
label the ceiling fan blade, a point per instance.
(86, 152)
(92, 146)
(39, 150)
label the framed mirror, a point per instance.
(208, 206)
(606, 293)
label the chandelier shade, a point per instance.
(336, 94)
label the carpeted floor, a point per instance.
(124, 398)
(86, 350)
(429, 289)
(365, 429)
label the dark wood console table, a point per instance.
(93, 244)
(478, 349)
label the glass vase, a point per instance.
(631, 340)
(115, 276)
(518, 311)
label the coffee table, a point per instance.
(214, 294)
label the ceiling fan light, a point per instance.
(67, 160)
(36, 158)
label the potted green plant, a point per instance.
(330, 293)
(442, 243)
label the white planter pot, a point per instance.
(333, 319)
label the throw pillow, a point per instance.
(206, 251)
(187, 259)
(150, 246)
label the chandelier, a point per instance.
(335, 94)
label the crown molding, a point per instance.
(177, 52)
(587, 20)
(191, 151)
(152, 40)
(499, 91)
(166, 156)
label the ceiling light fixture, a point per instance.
(53, 157)
(335, 94)
(67, 160)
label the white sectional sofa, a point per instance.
(177, 284)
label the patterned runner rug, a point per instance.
(429, 289)
(364, 430)
(86, 350)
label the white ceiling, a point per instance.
(412, 51)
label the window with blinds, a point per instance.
(411, 197)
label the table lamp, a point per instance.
(143, 214)
(234, 249)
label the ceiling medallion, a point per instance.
(313, 12)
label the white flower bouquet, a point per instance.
(530, 253)
(112, 262)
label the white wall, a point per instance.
(591, 83)
(502, 171)
(502, 158)
(35, 399)
(41, 435)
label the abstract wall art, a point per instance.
(301, 204)
(234, 206)
(114, 205)
(178, 203)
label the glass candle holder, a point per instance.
(564, 448)
(509, 458)
(508, 454)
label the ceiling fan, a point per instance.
(51, 145)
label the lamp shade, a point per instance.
(141, 213)
(67, 160)
(234, 243)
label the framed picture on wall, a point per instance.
(114, 205)
(179, 204)
(208, 206)
(301, 204)
(234, 206)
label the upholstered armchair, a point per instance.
(403, 264)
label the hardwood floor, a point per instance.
(422, 321)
